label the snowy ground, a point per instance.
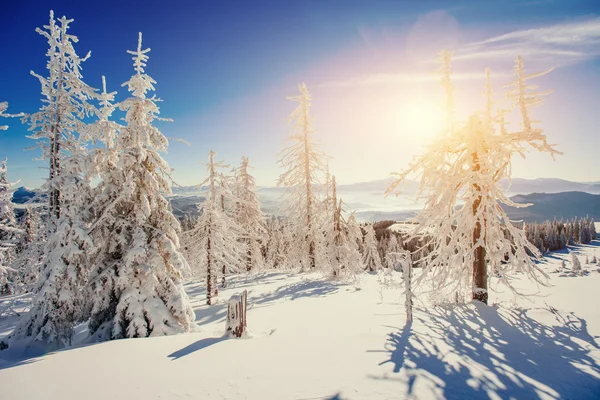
(315, 339)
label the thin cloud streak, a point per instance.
(563, 43)
(399, 79)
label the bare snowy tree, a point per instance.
(460, 174)
(60, 120)
(302, 163)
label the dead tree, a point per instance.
(236, 314)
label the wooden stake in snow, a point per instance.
(407, 272)
(236, 314)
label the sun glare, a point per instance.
(421, 121)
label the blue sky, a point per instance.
(224, 69)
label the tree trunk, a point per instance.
(479, 265)
(236, 314)
(209, 277)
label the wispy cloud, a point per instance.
(401, 78)
(563, 43)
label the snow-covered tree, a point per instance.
(344, 258)
(9, 234)
(276, 246)
(59, 122)
(248, 216)
(302, 163)
(371, 256)
(460, 174)
(214, 241)
(60, 301)
(136, 285)
(576, 263)
(28, 263)
(3, 108)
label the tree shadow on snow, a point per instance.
(477, 351)
(196, 346)
(308, 288)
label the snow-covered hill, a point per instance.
(318, 339)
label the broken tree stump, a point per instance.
(236, 314)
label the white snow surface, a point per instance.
(313, 338)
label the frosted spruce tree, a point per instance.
(276, 257)
(29, 260)
(576, 263)
(136, 286)
(302, 163)
(66, 106)
(215, 240)
(9, 235)
(371, 257)
(60, 302)
(460, 174)
(248, 216)
(344, 258)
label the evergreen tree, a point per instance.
(214, 241)
(136, 285)
(576, 263)
(249, 216)
(29, 261)
(345, 259)
(371, 256)
(276, 251)
(9, 234)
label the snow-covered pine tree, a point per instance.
(345, 259)
(576, 263)
(465, 165)
(355, 234)
(370, 253)
(276, 250)
(28, 262)
(66, 105)
(9, 234)
(60, 302)
(136, 285)
(248, 216)
(302, 163)
(214, 241)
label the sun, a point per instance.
(421, 120)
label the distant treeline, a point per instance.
(556, 235)
(546, 236)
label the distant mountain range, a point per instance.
(24, 195)
(547, 206)
(551, 198)
(515, 186)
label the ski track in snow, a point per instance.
(312, 338)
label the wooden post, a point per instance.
(236, 314)
(407, 272)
